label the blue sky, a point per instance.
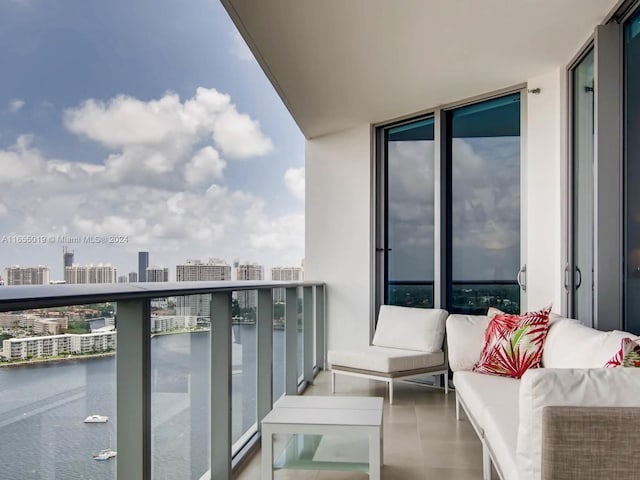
(145, 119)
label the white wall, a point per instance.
(545, 180)
(338, 226)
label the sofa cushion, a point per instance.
(465, 337)
(597, 387)
(384, 360)
(513, 343)
(570, 344)
(480, 392)
(501, 431)
(409, 328)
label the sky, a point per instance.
(144, 125)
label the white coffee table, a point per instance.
(325, 415)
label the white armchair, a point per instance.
(408, 342)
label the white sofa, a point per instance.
(507, 413)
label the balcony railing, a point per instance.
(133, 374)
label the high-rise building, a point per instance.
(17, 275)
(197, 271)
(157, 274)
(143, 263)
(247, 271)
(82, 274)
(67, 258)
(133, 277)
(122, 279)
(285, 274)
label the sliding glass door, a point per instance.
(409, 226)
(483, 216)
(580, 275)
(632, 177)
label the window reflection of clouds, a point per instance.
(411, 209)
(486, 208)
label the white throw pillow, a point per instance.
(409, 328)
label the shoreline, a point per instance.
(71, 357)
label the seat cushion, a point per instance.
(384, 360)
(408, 328)
(480, 392)
(492, 404)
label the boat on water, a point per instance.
(96, 419)
(105, 454)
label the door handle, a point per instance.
(579, 282)
(566, 277)
(522, 273)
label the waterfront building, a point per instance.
(162, 323)
(133, 277)
(247, 271)
(157, 274)
(51, 345)
(143, 263)
(17, 275)
(196, 271)
(291, 274)
(9, 321)
(82, 274)
(123, 279)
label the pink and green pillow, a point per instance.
(627, 356)
(513, 343)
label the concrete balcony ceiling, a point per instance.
(340, 63)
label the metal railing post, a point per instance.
(291, 342)
(320, 324)
(220, 415)
(133, 392)
(264, 357)
(307, 334)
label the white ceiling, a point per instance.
(338, 63)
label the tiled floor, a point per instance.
(422, 439)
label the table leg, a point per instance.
(375, 457)
(267, 453)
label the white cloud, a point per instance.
(295, 182)
(169, 124)
(161, 185)
(206, 165)
(16, 105)
(239, 47)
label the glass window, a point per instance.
(409, 208)
(632, 177)
(484, 213)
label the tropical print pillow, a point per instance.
(513, 343)
(627, 356)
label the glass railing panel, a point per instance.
(180, 389)
(54, 374)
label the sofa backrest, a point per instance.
(587, 387)
(570, 344)
(465, 338)
(409, 328)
